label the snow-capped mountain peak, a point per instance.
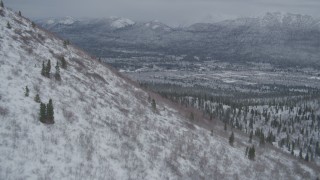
(50, 21)
(67, 20)
(157, 25)
(288, 19)
(122, 23)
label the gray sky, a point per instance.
(172, 12)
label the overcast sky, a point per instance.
(172, 12)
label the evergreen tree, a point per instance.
(153, 104)
(66, 43)
(33, 24)
(43, 113)
(250, 137)
(225, 126)
(20, 13)
(50, 112)
(37, 98)
(300, 154)
(318, 149)
(252, 153)
(8, 25)
(306, 158)
(48, 69)
(57, 74)
(26, 93)
(63, 63)
(1, 4)
(43, 70)
(292, 149)
(231, 139)
(211, 132)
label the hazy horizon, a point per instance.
(174, 13)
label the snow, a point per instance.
(122, 22)
(67, 21)
(50, 21)
(155, 26)
(315, 77)
(105, 127)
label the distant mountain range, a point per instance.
(281, 39)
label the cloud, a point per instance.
(172, 12)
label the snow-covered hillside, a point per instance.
(156, 25)
(60, 21)
(121, 23)
(105, 127)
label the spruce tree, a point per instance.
(43, 113)
(252, 153)
(231, 139)
(20, 13)
(43, 70)
(225, 126)
(300, 154)
(66, 43)
(318, 149)
(48, 69)
(57, 74)
(37, 98)
(1, 4)
(250, 137)
(50, 112)
(293, 145)
(63, 63)
(8, 25)
(26, 93)
(154, 105)
(33, 24)
(306, 158)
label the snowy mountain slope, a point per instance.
(121, 23)
(105, 128)
(65, 21)
(156, 25)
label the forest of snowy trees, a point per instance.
(291, 123)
